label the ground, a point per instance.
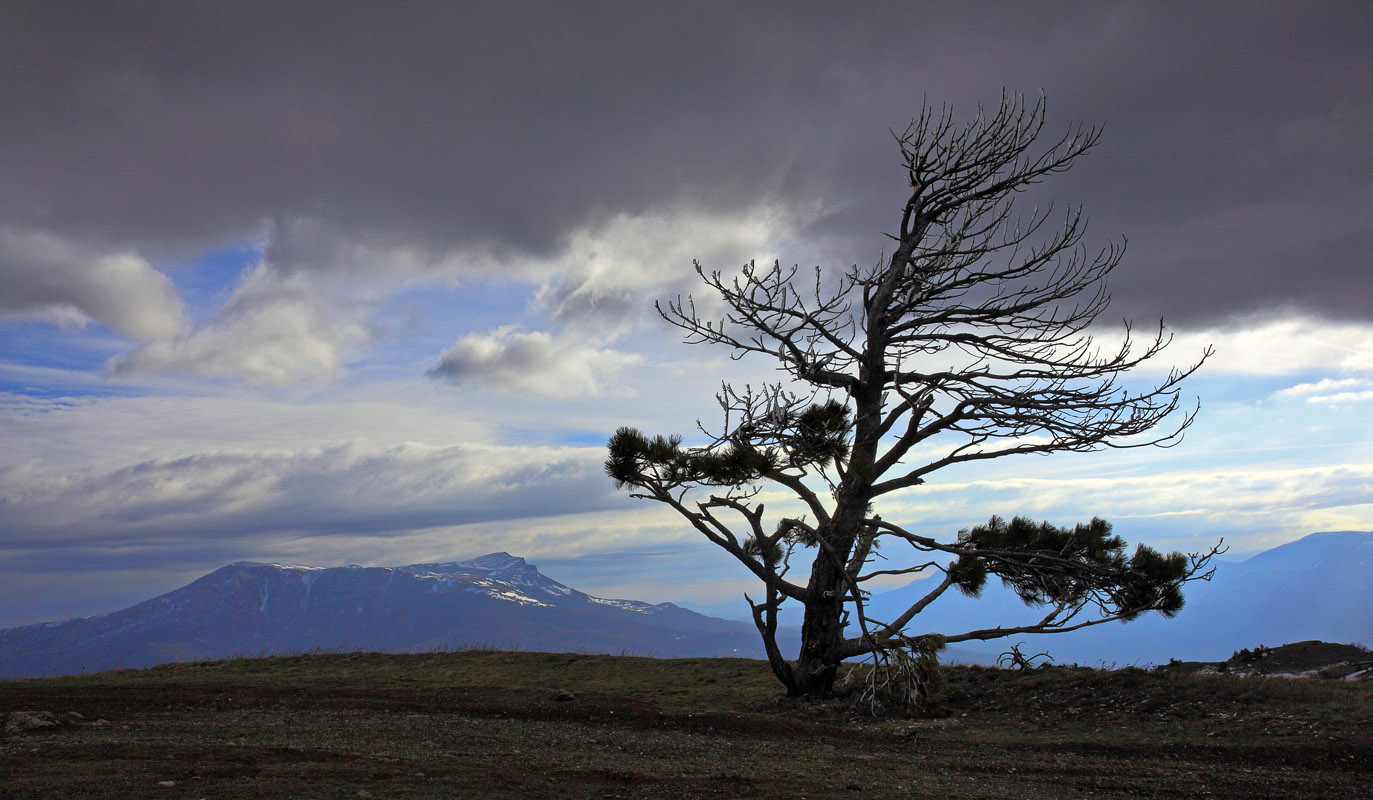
(535, 725)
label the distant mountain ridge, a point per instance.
(1318, 587)
(255, 608)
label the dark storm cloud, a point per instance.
(1235, 158)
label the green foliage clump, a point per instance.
(637, 460)
(818, 435)
(767, 548)
(969, 574)
(813, 437)
(1044, 563)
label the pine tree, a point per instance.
(973, 336)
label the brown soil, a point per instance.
(532, 725)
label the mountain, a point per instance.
(1318, 587)
(248, 608)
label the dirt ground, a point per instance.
(528, 725)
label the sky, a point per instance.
(373, 283)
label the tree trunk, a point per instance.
(817, 665)
(822, 631)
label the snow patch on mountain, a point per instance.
(627, 605)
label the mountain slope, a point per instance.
(249, 608)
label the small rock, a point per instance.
(563, 697)
(166, 783)
(363, 794)
(76, 715)
(22, 721)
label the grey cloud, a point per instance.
(45, 276)
(353, 489)
(173, 126)
(512, 360)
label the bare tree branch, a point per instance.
(974, 338)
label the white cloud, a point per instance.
(276, 330)
(1327, 391)
(613, 271)
(50, 278)
(1281, 346)
(600, 285)
(1341, 398)
(297, 317)
(1323, 385)
(512, 360)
